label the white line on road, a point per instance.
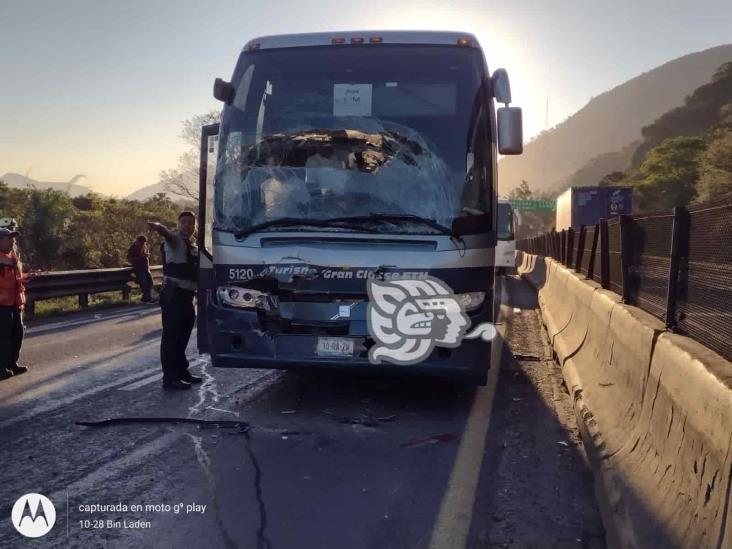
(98, 479)
(49, 406)
(456, 509)
(80, 322)
(142, 382)
(155, 377)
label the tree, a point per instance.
(668, 175)
(715, 167)
(705, 108)
(611, 179)
(183, 179)
(522, 192)
(45, 224)
(85, 232)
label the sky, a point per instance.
(100, 87)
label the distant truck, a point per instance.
(579, 206)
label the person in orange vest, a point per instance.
(12, 300)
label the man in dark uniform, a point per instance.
(180, 276)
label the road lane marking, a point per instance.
(155, 377)
(50, 406)
(142, 382)
(137, 313)
(132, 460)
(456, 509)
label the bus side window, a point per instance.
(475, 198)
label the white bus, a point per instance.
(344, 157)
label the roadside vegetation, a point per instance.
(64, 305)
(684, 157)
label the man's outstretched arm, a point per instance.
(163, 231)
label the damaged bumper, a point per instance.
(247, 338)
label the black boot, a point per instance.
(176, 384)
(190, 378)
(17, 370)
(5, 374)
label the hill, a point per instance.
(146, 192)
(609, 122)
(686, 155)
(710, 105)
(18, 181)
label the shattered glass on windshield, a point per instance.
(367, 134)
(321, 174)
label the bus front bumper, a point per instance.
(238, 340)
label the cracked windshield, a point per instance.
(392, 130)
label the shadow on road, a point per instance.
(341, 393)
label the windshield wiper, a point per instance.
(398, 218)
(339, 223)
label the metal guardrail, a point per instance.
(677, 265)
(82, 284)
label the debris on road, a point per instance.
(222, 410)
(445, 437)
(366, 421)
(527, 358)
(203, 423)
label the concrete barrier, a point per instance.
(534, 269)
(521, 259)
(655, 411)
(679, 461)
(613, 364)
(552, 298)
(577, 298)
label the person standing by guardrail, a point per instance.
(138, 256)
(180, 276)
(12, 299)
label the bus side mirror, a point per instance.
(224, 91)
(510, 131)
(501, 86)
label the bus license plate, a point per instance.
(334, 346)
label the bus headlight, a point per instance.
(244, 298)
(471, 300)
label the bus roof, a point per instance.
(385, 37)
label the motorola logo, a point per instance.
(33, 515)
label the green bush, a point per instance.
(86, 232)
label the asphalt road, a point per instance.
(328, 461)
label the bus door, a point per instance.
(206, 173)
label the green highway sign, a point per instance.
(533, 205)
